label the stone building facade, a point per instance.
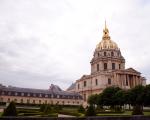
(53, 95)
(107, 69)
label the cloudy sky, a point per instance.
(52, 41)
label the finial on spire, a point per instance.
(105, 24)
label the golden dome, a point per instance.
(106, 42)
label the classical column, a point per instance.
(133, 80)
(129, 84)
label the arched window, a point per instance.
(28, 101)
(105, 66)
(39, 101)
(98, 54)
(113, 66)
(119, 66)
(109, 81)
(97, 67)
(1, 100)
(33, 101)
(104, 53)
(96, 82)
(84, 83)
(112, 53)
(21, 101)
(8, 100)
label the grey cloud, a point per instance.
(43, 42)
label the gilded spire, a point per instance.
(106, 32)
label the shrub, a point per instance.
(10, 110)
(42, 107)
(81, 109)
(90, 111)
(57, 108)
(48, 109)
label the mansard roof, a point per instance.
(54, 89)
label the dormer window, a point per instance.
(22, 94)
(34, 95)
(9, 93)
(57, 96)
(40, 95)
(16, 94)
(28, 94)
(46, 95)
(3, 93)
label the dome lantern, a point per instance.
(106, 42)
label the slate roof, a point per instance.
(54, 89)
(72, 86)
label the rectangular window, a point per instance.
(109, 81)
(105, 66)
(78, 86)
(97, 67)
(96, 82)
(84, 83)
(113, 66)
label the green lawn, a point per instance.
(0, 114)
(126, 113)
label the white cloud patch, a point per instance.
(48, 41)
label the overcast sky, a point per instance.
(52, 41)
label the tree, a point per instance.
(100, 99)
(119, 100)
(93, 99)
(119, 97)
(137, 97)
(108, 96)
(10, 110)
(81, 109)
(90, 111)
(147, 95)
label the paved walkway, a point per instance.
(61, 115)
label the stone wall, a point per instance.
(75, 118)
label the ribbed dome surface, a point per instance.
(106, 42)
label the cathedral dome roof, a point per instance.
(106, 42)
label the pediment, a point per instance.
(132, 70)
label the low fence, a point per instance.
(76, 118)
